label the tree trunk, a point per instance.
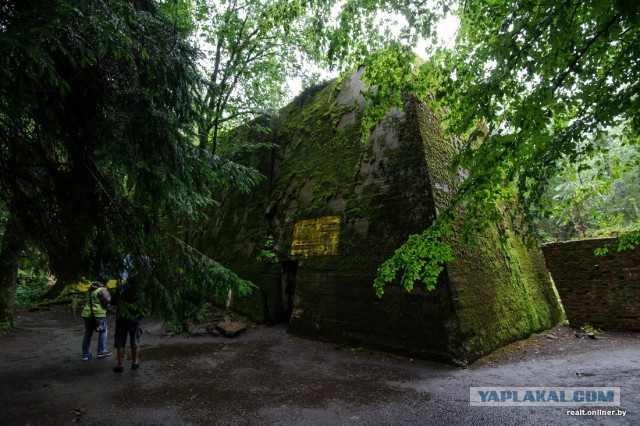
(11, 245)
(203, 136)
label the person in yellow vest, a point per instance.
(95, 319)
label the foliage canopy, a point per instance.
(96, 144)
(109, 126)
(529, 88)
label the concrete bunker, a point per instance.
(332, 209)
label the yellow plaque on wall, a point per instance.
(316, 237)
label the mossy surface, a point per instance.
(501, 290)
(381, 191)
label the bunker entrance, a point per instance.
(288, 287)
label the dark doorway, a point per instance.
(288, 286)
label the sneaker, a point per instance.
(86, 357)
(135, 365)
(118, 369)
(104, 354)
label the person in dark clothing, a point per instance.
(131, 305)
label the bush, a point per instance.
(5, 325)
(30, 288)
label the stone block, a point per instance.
(231, 329)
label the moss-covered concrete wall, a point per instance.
(379, 192)
(501, 290)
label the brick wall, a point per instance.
(602, 291)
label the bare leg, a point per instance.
(134, 357)
(118, 368)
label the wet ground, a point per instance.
(267, 377)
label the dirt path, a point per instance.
(266, 376)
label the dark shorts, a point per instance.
(128, 327)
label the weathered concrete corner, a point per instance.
(335, 208)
